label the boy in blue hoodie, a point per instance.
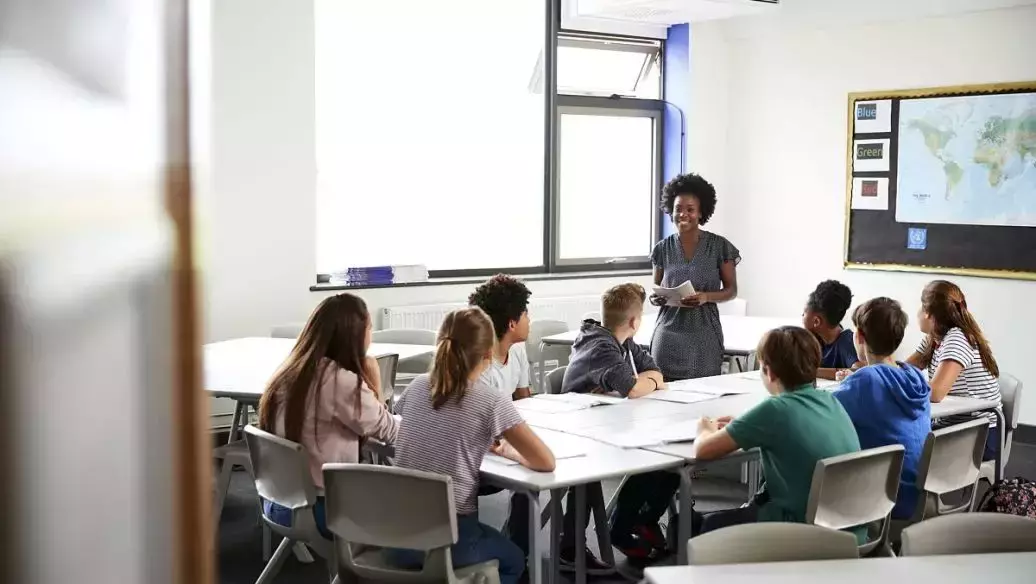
(606, 359)
(888, 401)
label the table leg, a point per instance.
(556, 517)
(235, 421)
(580, 533)
(1001, 422)
(542, 382)
(685, 518)
(535, 557)
(604, 538)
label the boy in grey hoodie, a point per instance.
(606, 359)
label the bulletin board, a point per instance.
(943, 180)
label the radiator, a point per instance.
(570, 309)
(429, 317)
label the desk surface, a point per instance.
(741, 334)
(1014, 567)
(241, 368)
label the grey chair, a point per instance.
(413, 510)
(410, 367)
(388, 366)
(970, 533)
(543, 358)
(287, 331)
(950, 464)
(856, 490)
(770, 542)
(1010, 396)
(555, 380)
(281, 469)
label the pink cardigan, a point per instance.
(338, 423)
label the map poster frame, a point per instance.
(873, 240)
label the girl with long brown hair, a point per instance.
(956, 355)
(452, 418)
(325, 394)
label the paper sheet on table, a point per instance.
(587, 400)
(673, 296)
(548, 406)
(682, 432)
(561, 451)
(680, 397)
(700, 386)
(754, 377)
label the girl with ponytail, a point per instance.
(451, 419)
(956, 355)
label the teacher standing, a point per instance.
(688, 339)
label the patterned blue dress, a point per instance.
(688, 342)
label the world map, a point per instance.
(967, 160)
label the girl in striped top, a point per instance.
(956, 355)
(451, 419)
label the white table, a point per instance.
(239, 369)
(1013, 567)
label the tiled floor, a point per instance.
(240, 546)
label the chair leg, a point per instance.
(267, 542)
(302, 553)
(276, 562)
(600, 512)
(222, 486)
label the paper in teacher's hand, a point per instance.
(673, 296)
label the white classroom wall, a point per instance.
(768, 127)
(254, 137)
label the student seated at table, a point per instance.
(606, 359)
(825, 309)
(957, 356)
(505, 300)
(793, 429)
(888, 401)
(325, 395)
(451, 419)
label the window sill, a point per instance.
(480, 279)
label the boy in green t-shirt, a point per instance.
(793, 429)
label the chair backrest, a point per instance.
(390, 506)
(404, 336)
(855, 489)
(1010, 396)
(970, 533)
(770, 542)
(287, 331)
(281, 469)
(555, 379)
(387, 368)
(539, 329)
(592, 315)
(952, 461)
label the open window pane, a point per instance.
(606, 68)
(418, 138)
(607, 176)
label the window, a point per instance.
(431, 142)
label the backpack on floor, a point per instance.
(1016, 496)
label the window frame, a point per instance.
(650, 48)
(607, 107)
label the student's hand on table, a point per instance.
(722, 421)
(657, 300)
(841, 374)
(502, 448)
(695, 300)
(707, 424)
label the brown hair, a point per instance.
(945, 303)
(336, 331)
(465, 338)
(793, 355)
(882, 323)
(619, 303)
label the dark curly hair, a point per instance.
(694, 185)
(504, 298)
(831, 299)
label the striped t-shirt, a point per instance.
(453, 439)
(974, 379)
